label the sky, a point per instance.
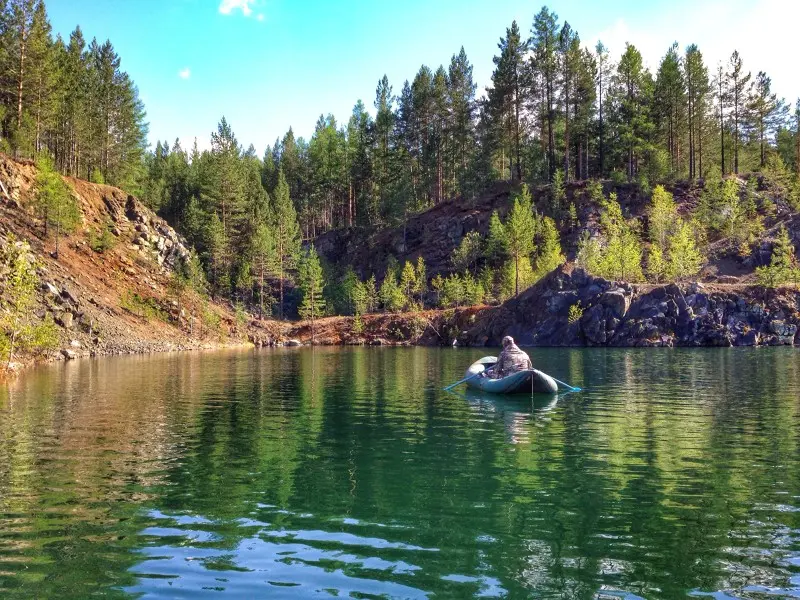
(267, 65)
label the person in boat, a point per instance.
(511, 360)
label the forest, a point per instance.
(557, 110)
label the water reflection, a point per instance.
(349, 472)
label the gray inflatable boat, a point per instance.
(522, 382)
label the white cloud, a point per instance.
(226, 7)
(260, 16)
(185, 73)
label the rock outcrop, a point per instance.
(576, 309)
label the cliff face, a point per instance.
(572, 308)
(118, 300)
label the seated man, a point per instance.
(511, 360)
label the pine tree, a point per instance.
(735, 94)
(558, 195)
(420, 277)
(265, 260)
(783, 263)
(656, 264)
(506, 98)
(496, 249)
(286, 232)
(544, 61)
(225, 186)
(217, 254)
(312, 286)
(408, 281)
(765, 114)
(670, 106)
(391, 295)
(797, 139)
(570, 58)
(603, 71)
(371, 294)
(622, 256)
(663, 215)
(359, 139)
(698, 89)
(469, 250)
(632, 90)
(549, 255)
(55, 201)
(461, 102)
(683, 258)
(384, 122)
(520, 228)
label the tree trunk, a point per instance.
(600, 141)
(11, 344)
(22, 49)
(517, 132)
(566, 141)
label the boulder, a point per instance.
(293, 343)
(66, 320)
(617, 302)
(593, 325)
(50, 289)
(69, 294)
(69, 354)
(747, 338)
(783, 332)
(560, 301)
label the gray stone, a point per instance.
(617, 302)
(65, 319)
(69, 354)
(747, 338)
(50, 289)
(69, 294)
(561, 301)
(784, 332)
(652, 312)
(593, 325)
(293, 343)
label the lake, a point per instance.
(330, 472)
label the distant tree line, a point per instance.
(555, 111)
(69, 99)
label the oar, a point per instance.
(566, 385)
(452, 385)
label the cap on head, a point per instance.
(508, 340)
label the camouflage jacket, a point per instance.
(511, 360)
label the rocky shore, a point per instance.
(572, 308)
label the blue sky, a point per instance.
(269, 64)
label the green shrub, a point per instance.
(618, 178)
(20, 331)
(241, 315)
(211, 320)
(575, 313)
(147, 308)
(783, 267)
(358, 325)
(104, 240)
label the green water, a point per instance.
(349, 473)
